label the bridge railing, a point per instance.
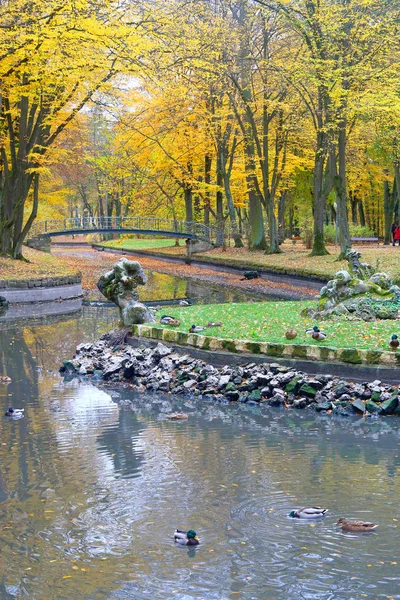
(156, 224)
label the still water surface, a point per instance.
(92, 490)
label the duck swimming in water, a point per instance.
(351, 525)
(394, 342)
(316, 333)
(186, 538)
(178, 417)
(308, 513)
(16, 413)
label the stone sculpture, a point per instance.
(358, 293)
(119, 285)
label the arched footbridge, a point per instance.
(143, 225)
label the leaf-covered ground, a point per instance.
(92, 264)
(40, 264)
(268, 322)
(295, 259)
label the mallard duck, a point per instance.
(394, 342)
(17, 413)
(178, 417)
(186, 538)
(185, 303)
(168, 320)
(196, 329)
(350, 525)
(5, 379)
(213, 324)
(308, 513)
(291, 334)
(316, 333)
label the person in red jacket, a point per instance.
(396, 236)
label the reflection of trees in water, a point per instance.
(17, 362)
(119, 442)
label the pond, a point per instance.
(163, 286)
(92, 487)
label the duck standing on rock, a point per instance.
(308, 513)
(394, 342)
(168, 320)
(186, 538)
(352, 525)
(196, 329)
(316, 333)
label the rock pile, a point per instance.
(164, 370)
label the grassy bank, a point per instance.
(38, 265)
(142, 244)
(268, 322)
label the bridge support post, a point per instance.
(188, 258)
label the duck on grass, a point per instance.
(281, 323)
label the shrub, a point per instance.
(355, 231)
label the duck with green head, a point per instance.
(308, 513)
(394, 342)
(186, 538)
(316, 333)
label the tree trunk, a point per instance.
(281, 217)
(229, 200)
(341, 193)
(361, 213)
(188, 196)
(207, 195)
(354, 204)
(388, 205)
(318, 248)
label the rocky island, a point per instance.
(161, 369)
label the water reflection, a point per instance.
(91, 490)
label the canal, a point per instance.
(93, 482)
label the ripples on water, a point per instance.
(92, 490)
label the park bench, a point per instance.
(366, 240)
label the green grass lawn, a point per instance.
(141, 244)
(268, 322)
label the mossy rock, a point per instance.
(350, 355)
(229, 345)
(358, 406)
(206, 343)
(308, 390)
(325, 352)
(390, 405)
(323, 406)
(253, 347)
(376, 396)
(373, 356)
(230, 387)
(255, 396)
(170, 335)
(293, 386)
(371, 407)
(299, 351)
(182, 338)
